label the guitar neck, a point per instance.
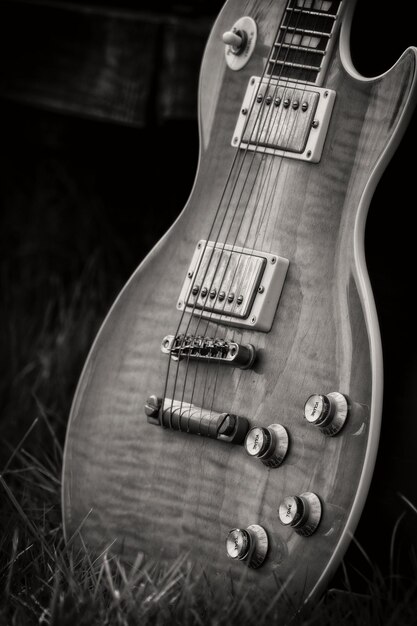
(305, 40)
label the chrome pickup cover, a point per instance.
(232, 285)
(284, 118)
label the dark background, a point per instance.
(96, 164)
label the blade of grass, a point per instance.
(44, 416)
(35, 532)
(19, 445)
(408, 502)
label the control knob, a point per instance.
(269, 445)
(249, 545)
(327, 412)
(303, 513)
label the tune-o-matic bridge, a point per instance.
(187, 418)
(199, 348)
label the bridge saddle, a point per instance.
(199, 348)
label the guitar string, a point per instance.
(301, 89)
(290, 24)
(273, 123)
(201, 364)
(236, 156)
(335, 10)
(228, 178)
(267, 205)
(193, 283)
(198, 365)
(297, 86)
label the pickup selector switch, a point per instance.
(327, 412)
(249, 545)
(240, 42)
(303, 513)
(269, 445)
(235, 39)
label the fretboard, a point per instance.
(304, 41)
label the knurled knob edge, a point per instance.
(278, 448)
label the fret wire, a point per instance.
(297, 31)
(298, 65)
(302, 31)
(308, 12)
(300, 48)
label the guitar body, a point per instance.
(167, 493)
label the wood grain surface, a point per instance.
(167, 493)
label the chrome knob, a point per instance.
(249, 545)
(269, 445)
(303, 513)
(237, 544)
(327, 412)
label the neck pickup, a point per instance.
(284, 119)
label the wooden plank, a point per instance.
(124, 66)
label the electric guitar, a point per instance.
(230, 406)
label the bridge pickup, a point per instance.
(187, 418)
(198, 348)
(233, 286)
